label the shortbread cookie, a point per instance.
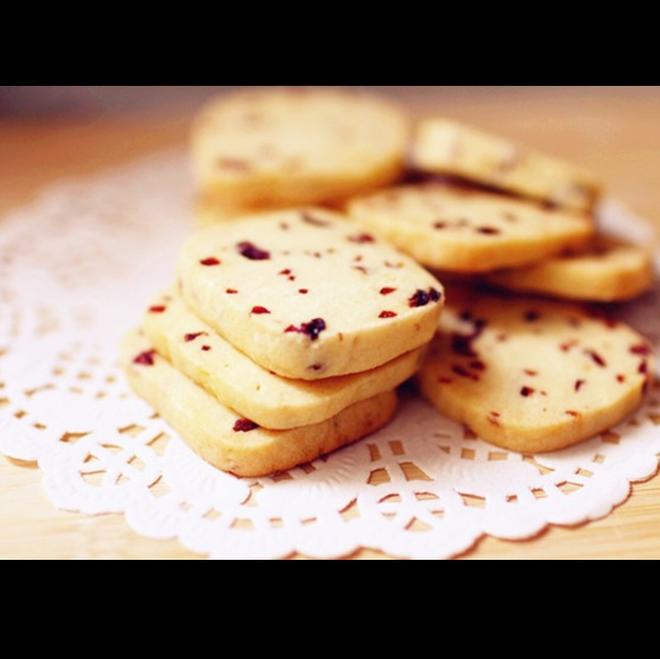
(608, 272)
(236, 381)
(296, 147)
(229, 441)
(453, 228)
(446, 147)
(533, 375)
(308, 294)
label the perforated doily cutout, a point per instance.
(77, 268)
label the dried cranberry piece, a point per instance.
(192, 336)
(439, 225)
(596, 358)
(312, 329)
(259, 310)
(231, 291)
(244, 425)
(641, 349)
(620, 378)
(362, 238)
(421, 298)
(387, 314)
(579, 384)
(643, 367)
(251, 251)
(286, 271)
(526, 391)
(157, 309)
(211, 260)
(488, 231)
(303, 291)
(462, 345)
(386, 290)
(145, 358)
(206, 348)
(572, 413)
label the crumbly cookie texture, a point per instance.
(274, 402)
(231, 442)
(532, 375)
(296, 147)
(454, 228)
(609, 271)
(442, 146)
(308, 294)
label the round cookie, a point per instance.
(236, 381)
(307, 294)
(230, 442)
(454, 228)
(296, 147)
(533, 375)
(608, 272)
(442, 146)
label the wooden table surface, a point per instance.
(616, 132)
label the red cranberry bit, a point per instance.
(157, 309)
(252, 252)
(387, 314)
(206, 348)
(259, 310)
(532, 316)
(303, 291)
(314, 221)
(643, 367)
(316, 367)
(192, 336)
(640, 349)
(462, 345)
(286, 271)
(488, 231)
(463, 372)
(244, 425)
(572, 413)
(596, 358)
(312, 329)
(386, 290)
(362, 238)
(579, 384)
(145, 358)
(620, 378)
(526, 391)
(421, 298)
(440, 225)
(211, 260)
(231, 291)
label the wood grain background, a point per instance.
(614, 131)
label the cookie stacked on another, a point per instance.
(285, 338)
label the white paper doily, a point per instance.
(77, 268)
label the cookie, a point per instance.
(442, 146)
(236, 381)
(307, 294)
(233, 443)
(453, 228)
(532, 375)
(296, 147)
(610, 271)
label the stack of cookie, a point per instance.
(285, 338)
(292, 325)
(527, 374)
